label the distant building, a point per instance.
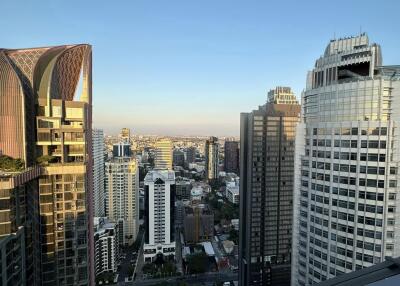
(180, 212)
(183, 187)
(191, 155)
(178, 158)
(232, 194)
(163, 158)
(198, 224)
(98, 147)
(122, 149)
(231, 157)
(125, 135)
(159, 214)
(267, 140)
(196, 194)
(106, 245)
(212, 158)
(122, 197)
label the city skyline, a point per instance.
(225, 53)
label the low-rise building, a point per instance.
(196, 194)
(232, 194)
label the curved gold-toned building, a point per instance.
(43, 121)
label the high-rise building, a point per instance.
(42, 121)
(163, 157)
(190, 155)
(231, 157)
(98, 147)
(267, 144)
(125, 135)
(211, 151)
(122, 197)
(106, 242)
(347, 205)
(122, 149)
(178, 158)
(159, 214)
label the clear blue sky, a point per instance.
(191, 66)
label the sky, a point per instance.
(191, 67)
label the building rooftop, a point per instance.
(164, 174)
(382, 274)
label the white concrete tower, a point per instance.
(347, 207)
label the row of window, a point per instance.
(352, 181)
(372, 144)
(347, 156)
(349, 131)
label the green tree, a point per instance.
(10, 164)
(197, 263)
(234, 235)
(131, 270)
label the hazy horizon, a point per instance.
(185, 67)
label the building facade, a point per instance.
(190, 155)
(106, 245)
(267, 138)
(183, 186)
(98, 147)
(43, 121)
(347, 207)
(19, 221)
(232, 194)
(231, 157)
(211, 151)
(122, 197)
(198, 224)
(178, 158)
(159, 215)
(163, 154)
(122, 149)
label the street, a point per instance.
(190, 279)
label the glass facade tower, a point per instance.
(267, 145)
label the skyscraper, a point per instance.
(347, 206)
(231, 156)
(178, 158)
(42, 121)
(98, 172)
(190, 155)
(122, 196)
(159, 214)
(212, 158)
(163, 158)
(267, 142)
